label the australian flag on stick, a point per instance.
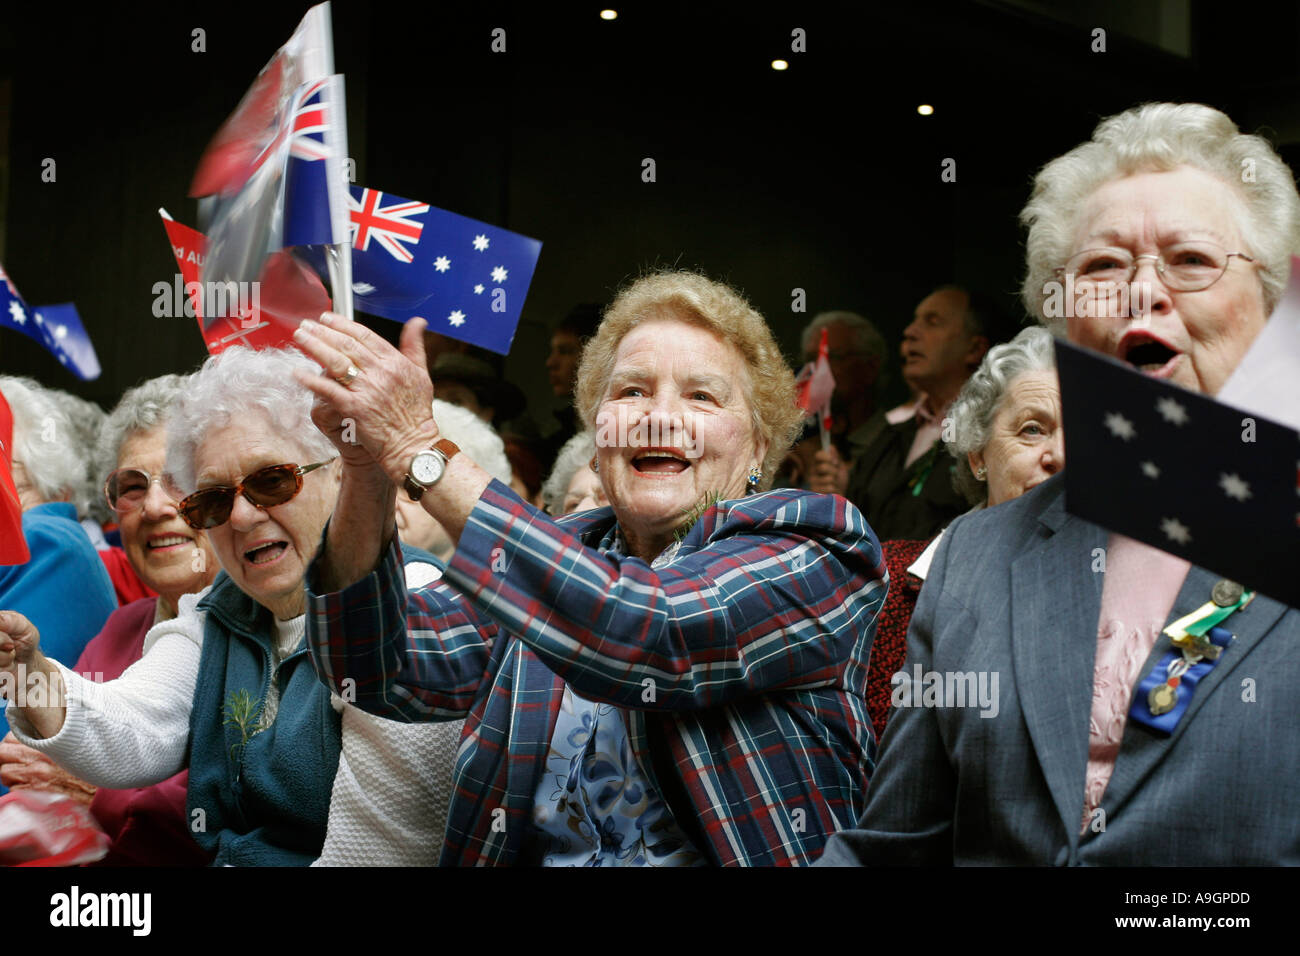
(273, 179)
(57, 327)
(466, 278)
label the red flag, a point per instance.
(286, 293)
(816, 383)
(13, 546)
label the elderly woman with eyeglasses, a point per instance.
(225, 687)
(674, 680)
(147, 825)
(1114, 740)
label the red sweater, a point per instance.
(148, 825)
(889, 651)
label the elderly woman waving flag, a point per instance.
(677, 679)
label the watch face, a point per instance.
(426, 467)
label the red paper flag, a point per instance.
(13, 546)
(269, 309)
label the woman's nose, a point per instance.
(158, 504)
(244, 514)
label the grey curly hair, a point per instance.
(576, 453)
(141, 409)
(980, 398)
(238, 384)
(44, 441)
(1158, 137)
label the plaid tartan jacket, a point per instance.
(740, 663)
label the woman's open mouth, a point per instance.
(660, 461)
(1148, 355)
(267, 553)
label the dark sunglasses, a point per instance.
(266, 487)
(126, 488)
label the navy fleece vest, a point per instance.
(265, 799)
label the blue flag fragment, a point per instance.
(57, 327)
(468, 279)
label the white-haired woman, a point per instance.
(146, 825)
(224, 688)
(574, 484)
(1117, 740)
(64, 589)
(1006, 436)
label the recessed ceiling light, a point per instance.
(780, 65)
(925, 109)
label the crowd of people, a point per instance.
(326, 605)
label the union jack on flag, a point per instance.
(467, 278)
(309, 216)
(389, 225)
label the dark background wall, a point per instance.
(823, 177)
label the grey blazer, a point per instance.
(1012, 592)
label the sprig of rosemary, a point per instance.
(694, 513)
(242, 711)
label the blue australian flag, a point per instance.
(467, 279)
(57, 327)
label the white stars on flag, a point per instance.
(457, 318)
(499, 274)
(362, 288)
(17, 312)
(1234, 487)
(480, 242)
(478, 289)
(1171, 411)
(1150, 470)
(1120, 426)
(1176, 531)
(60, 331)
(442, 263)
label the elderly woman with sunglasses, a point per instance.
(675, 680)
(147, 825)
(226, 683)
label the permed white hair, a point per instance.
(86, 419)
(980, 398)
(474, 437)
(141, 409)
(44, 440)
(1159, 137)
(240, 385)
(576, 453)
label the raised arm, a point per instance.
(128, 732)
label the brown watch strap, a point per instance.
(414, 490)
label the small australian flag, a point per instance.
(467, 279)
(1179, 471)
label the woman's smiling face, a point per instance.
(675, 425)
(265, 550)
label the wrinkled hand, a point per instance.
(19, 643)
(830, 474)
(21, 766)
(384, 415)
